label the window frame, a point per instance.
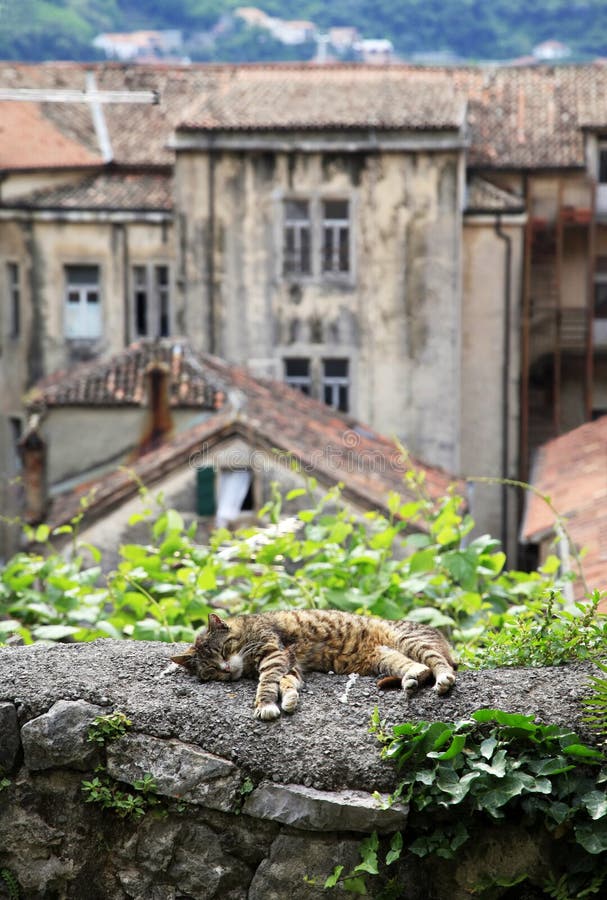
(335, 383)
(317, 221)
(299, 382)
(335, 226)
(83, 289)
(156, 295)
(14, 288)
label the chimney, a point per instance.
(159, 419)
(33, 453)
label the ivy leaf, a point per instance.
(457, 745)
(53, 632)
(593, 838)
(396, 846)
(334, 878)
(596, 804)
(488, 746)
(355, 886)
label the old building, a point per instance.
(570, 479)
(209, 436)
(423, 248)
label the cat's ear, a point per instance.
(217, 624)
(185, 659)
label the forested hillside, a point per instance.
(471, 29)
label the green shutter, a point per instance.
(205, 491)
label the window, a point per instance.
(151, 301)
(161, 277)
(16, 426)
(326, 379)
(336, 383)
(82, 302)
(14, 299)
(141, 300)
(316, 240)
(224, 494)
(602, 163)
(297, 374)
(297, 230)
(335, 237)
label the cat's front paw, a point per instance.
(289, 700)
(267, 711)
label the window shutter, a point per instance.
(205, 491)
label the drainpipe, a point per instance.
(211, 251)
(505, 374)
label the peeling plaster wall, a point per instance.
(250, 809)
(482, 390)
(396, 319)
(83, 440)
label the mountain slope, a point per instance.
(472, 29)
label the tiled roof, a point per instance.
(517, 117)
(331, 446)
(120, 380)
(31, 140)
(313, 97)
(572, 471)
(105, 191)
(486, 197)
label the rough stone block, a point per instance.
(313, 810)
(180, 770)
(298, 867)
(9, 737)
(60, 737)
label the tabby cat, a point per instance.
(280, 646)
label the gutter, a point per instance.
(505, 374)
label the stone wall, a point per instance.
(246, 809)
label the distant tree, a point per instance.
(241, 43)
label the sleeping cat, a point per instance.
(280, 646)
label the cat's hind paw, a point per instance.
(416, 675)
(444, 682)
(289, 700)
(267, 712)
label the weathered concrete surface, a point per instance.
(325, 744)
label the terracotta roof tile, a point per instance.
(120, 380)
(29, 139)
(104, 191)
(572, 471)
(517, 117)
(299, 97)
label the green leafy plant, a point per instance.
(109, 794)
(596, 702)
(418, 562)
(369, 850)
(108, 728)
(498, 766)
(11, 883)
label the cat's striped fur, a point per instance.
(280, 646)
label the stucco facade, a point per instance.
(394, 316)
